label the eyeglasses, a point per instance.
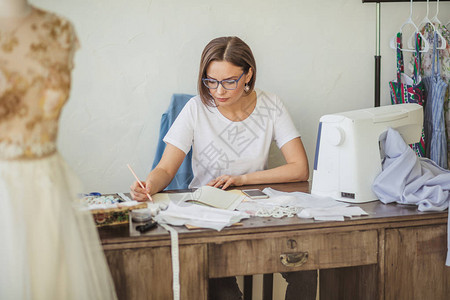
(228, 84)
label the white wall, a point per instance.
(318, 55)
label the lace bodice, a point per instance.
(36, 54)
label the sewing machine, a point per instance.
(348, 157)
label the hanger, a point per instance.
(435, 18)
(426, 21)
(437, 21)
(410, 22)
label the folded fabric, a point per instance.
(280, 204)
(199, 216)
(408, 179)
(328, 214)
(299, 199)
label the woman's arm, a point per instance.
(295, 169)
(161, 175)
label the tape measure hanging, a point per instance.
(175, 260)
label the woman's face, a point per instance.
(223, 70)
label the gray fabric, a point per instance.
(407, 179)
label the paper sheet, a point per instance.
(217, 198)
(205, 195)
(166, 198)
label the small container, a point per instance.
(141, 215)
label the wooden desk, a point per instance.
(394, 253)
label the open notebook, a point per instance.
(205, 195)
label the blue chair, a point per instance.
(184, 175)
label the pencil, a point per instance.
(140, 183)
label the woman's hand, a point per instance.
(224, 181)
(138, 193)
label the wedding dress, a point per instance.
(49, 247)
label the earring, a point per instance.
(246, 87)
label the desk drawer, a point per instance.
(293, 252)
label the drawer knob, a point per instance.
(294, 259)
(292, 243)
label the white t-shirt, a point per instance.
(221, 146)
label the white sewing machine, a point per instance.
(347, 156)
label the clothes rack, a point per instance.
(377, 43)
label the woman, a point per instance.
(230, 127)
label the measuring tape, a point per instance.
(175, 260)
(174, 250)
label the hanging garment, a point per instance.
(434, 124)
(444, 57)
(445, 72)
(444, 54)
(409, 90)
